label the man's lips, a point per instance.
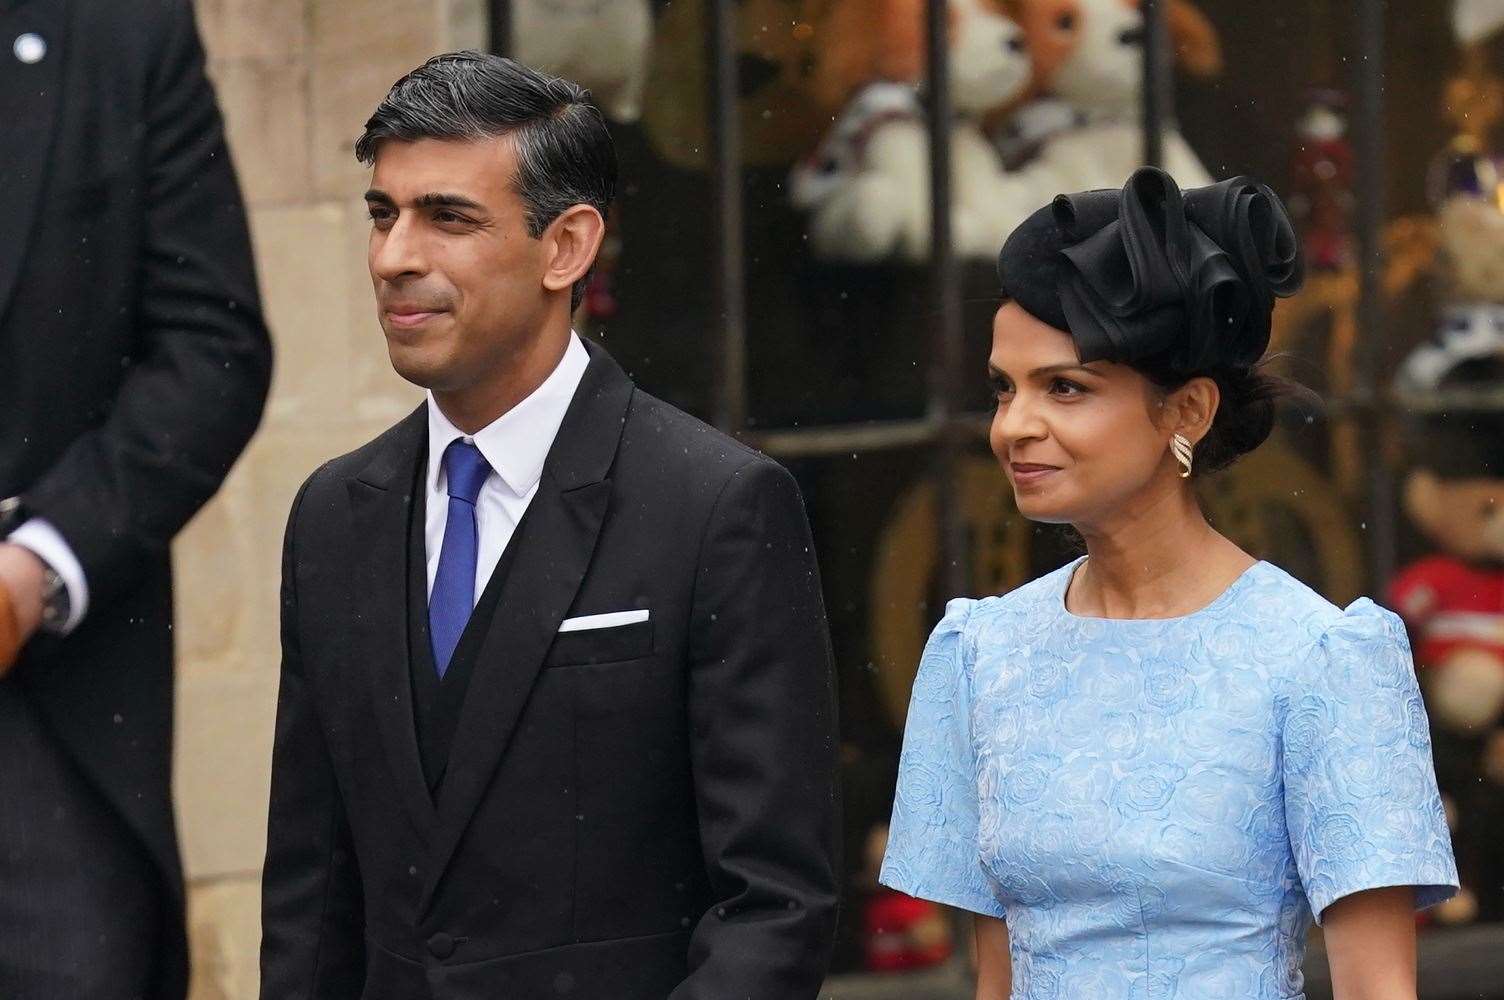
(406, 316)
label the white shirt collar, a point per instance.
(516, 444)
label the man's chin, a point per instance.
(424, 372)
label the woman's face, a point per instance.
(1078, 442)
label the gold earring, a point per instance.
(1181, 446)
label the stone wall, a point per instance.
(296, 80)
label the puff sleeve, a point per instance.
(1361, 804)
(932, 842)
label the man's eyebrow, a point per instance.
(433, 199)
(440, 199)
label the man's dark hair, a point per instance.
(565, 156)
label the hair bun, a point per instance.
(1150, 272)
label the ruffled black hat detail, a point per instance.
(1186, 280)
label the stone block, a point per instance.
(466, 24)
(224, 931)
(265, 105)
(222, 770)
(215, 610)
(253, 29)
(305, 280)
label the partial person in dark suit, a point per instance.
(133, 369)
(556, 714)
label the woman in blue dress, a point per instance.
(1146, 772)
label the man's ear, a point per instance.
(570, 244)
(1192, 408)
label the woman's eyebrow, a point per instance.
(1074, 366)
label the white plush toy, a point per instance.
(867, 184)
(1089, 67)
(599, 44)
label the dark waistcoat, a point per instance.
(437, 703)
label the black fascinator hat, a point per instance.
(1183, 282)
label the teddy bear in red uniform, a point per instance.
(1453, 604)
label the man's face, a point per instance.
(458, 279)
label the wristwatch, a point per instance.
(12, 514)
(56, 603)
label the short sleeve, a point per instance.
(1361, 804)
(932, 841)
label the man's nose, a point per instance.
(397, 253)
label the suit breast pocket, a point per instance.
(601, 645)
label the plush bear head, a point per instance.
(1454, 492)
(1464, 516)
(870, 41)
(1090, 52)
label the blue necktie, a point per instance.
(453, 596)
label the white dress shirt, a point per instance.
(516, 445)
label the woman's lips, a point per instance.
(1030, 474)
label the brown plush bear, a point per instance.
(1453, 604)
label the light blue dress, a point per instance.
(1157, 807)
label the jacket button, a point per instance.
(441, 945)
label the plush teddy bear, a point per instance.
(600, 44)
(1453, 603)
(1082, 128)
(866, 186)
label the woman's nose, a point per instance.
(1019, 420)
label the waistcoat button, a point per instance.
(441, 945)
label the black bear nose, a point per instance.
(1131, 36)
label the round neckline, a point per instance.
(1068, 573)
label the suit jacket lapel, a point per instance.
(28, 115)
(554, 550)
(381, 499)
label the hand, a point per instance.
(22, 580)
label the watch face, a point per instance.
(55, 604)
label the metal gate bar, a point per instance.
(1157, 93)
(1370, 402)
(948, 338)
(729, 228)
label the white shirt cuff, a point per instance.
(49, 546)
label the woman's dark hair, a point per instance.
(1245, 416)
(565, 156)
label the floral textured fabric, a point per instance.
(1158, 807)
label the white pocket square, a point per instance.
(609, 620)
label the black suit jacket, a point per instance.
(627, 814)
(133, 363)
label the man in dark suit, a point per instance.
(556, 708)
(133, 368)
